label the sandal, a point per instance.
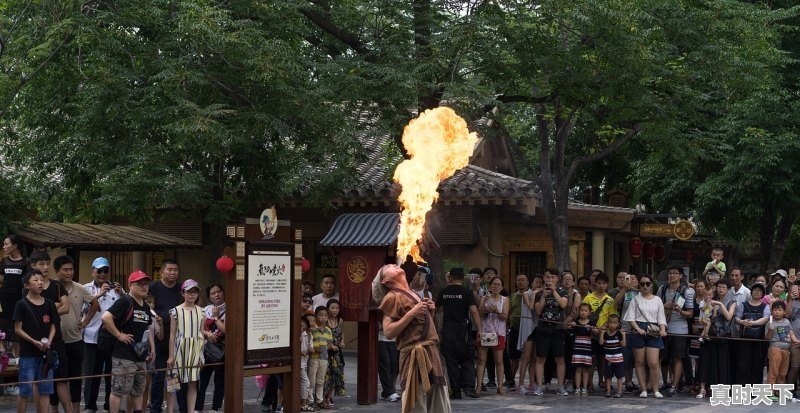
(701, 394)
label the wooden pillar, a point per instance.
(367, 376)
(598, 251)
(234, 330)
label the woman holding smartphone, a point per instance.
(494, 307)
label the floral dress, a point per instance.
(334, 379)
(189, 342)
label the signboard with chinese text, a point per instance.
(268, 295)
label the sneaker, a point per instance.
(643, 394)
(672, 392)
(608, 395)
(538, 391)
(512, 386)
(394, 397)
(491, 385)
(795, 400)
(568, 387)
(13, 391)
(658, 395)
(618, 396)
(522, 390)
(561, 391)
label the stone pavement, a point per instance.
(510, 403)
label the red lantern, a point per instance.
(689, 256)
(649, 250)
(635, 247)
(306, 264)
(660, 253)
(225, 264)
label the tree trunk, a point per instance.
(766, 235)
(788, 217)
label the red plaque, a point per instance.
(357, 268)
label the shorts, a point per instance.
(794, 358)
(615, 370)
(30, 368)
(513, 338)
(532, 335)
(62, 372)
(501, 344)
(637, 341)
(127, 384)
(674, 348)
(550, 343)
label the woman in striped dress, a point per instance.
(582, 352)
(186, 341)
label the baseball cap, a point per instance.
(137, 276)
(427, 272)
(100, 262)
(189, 284)
(782, 273)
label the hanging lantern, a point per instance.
(635, 247)
(306, 264)
(224, 264)
(660, 253)
(689, 256)
(649, 250)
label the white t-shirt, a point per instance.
(320, 300)
(106, 301)
(644, 310)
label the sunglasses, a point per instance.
(104, 270)
(645, 284)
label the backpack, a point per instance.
(106, 341)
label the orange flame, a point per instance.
(438, 144)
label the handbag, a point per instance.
(214, 352)
(489, 339)
(595, 315)
(173, 382)
(142, 349)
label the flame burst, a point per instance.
(438, 144)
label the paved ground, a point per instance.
(512, 403)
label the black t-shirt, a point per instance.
(54, 292)
(166, 299)
(12, 277)
(46, 315)
(455, 300)
(138, 323)
(551, 312)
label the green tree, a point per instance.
(151, 106)
(575, 81)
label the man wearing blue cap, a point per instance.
(96, 361)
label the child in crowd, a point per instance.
(716, 263)
(35, 319)
(186, 341)
(334, 381)
(582, 353)
(307, 301)
(306, 348)
(781, 337)
(318, 362)
(613, 341)
(707, 313)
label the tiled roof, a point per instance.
(574, 204)
(103, 237)
(470, 182)
(363, 230)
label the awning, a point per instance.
(363, 230)
(99, 237)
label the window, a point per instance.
(528, 263)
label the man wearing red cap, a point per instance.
(128, 320)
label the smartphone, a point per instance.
(792, 272)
